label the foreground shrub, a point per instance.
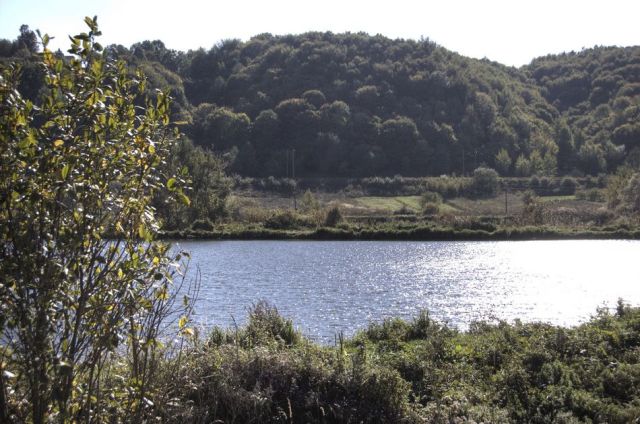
(85, 162)
(250, 374)
(418, 371)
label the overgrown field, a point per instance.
(516, 214)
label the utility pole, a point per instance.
(506, 204)
(293, 174)
(287, 166)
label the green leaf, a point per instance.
(185, 199)
(171, 183)
(65, 171)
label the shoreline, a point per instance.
(414, 234)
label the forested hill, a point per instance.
(360, 105)
(597, 91)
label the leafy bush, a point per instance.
(485, 181)
(418, 371)
(430, 197)
(265, 323)
(333, 217)
(308, 202)
(202, 225)
(430, 209)
(82, 163)
(285, 220)
(592, 195)
(568, 186)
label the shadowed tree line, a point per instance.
(355, 105)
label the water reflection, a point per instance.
(328, 287)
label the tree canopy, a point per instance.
(358, 105)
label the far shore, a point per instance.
(414, 234)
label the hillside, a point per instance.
(596, 91)
(354, 105)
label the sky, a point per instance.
(510, 32)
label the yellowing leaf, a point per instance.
(58, 143)
(162, 294)
(188, 331)
(143, 232)
(182, 322)
(65, 171)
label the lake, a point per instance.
(328, 287)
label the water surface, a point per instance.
(328, 287)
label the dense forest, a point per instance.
(354, 105)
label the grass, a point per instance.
(388, 204)
(557, 198)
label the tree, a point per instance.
(315, 98)
(399, 131)
(336, 115)
(82, 165)
(631, 194)
(523, 166)
(220, 128)
(208, 191)
(503, 162)
(265, 129)
(308, 202)
(591, 158)
(27, 39)
(485, 181)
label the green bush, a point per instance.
(592, 195)
(286, 220)
(430, 209)
(265, 323)
(81, 313)
(419, 371)
(568, 186)
(202, 225)
(485, 181)
(333, 217)
(430, 197)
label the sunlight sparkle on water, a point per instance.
(328, 287)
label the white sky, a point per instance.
(511, 32)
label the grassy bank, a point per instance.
(416, 232)
(419, 371)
